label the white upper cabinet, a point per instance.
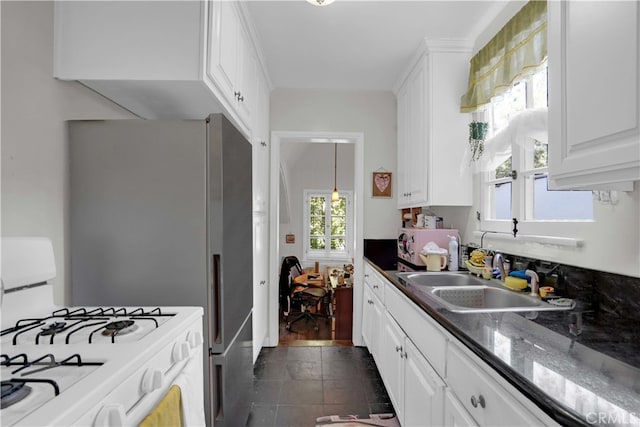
(594, 94)
(432, 133)
(161, 59)
(232, 63)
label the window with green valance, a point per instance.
(516, 51)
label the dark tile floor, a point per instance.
(295, 385)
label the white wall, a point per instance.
(312, 170)
(370, 112)
(34, 141)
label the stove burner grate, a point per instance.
(23, 362)
(79, 318)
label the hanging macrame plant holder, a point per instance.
(477, 135)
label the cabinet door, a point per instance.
(260, 288)
(455, 415)
(392, 362)
(367, 313)
(371, 320)
(261, 159)
(246, 78)
(423, 390)
(223, 44)
(489, 402)
(416, 155)
(403, 146)
(594, 93)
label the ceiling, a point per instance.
(357, 44)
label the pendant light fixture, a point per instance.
(320, 2)
(335, 196)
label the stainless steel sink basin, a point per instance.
(461, 292)
(488, 299)
(441, 279)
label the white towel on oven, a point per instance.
(190, 383)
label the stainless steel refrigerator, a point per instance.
(160, 214)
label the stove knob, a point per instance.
(109, 416)
(194, 338)
(151, 380)
(180, 352)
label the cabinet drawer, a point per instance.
(375, 281)
(488, 402)
(419, 327)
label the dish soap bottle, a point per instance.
(453, 253)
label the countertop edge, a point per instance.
(559, 413)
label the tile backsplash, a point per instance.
(604, 293)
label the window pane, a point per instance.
(339, 207)
(540, 155)
(502, 199)
(317, 206)
(508, 105)
(539, 82)
(338, 244)
(560, 204)
(504, 170)
(317, 243)
(338, 226)
(317, 225)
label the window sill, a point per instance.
(530, 238)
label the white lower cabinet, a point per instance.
(371, 320)
(423, 390)
(432, 378)
(415, 389)
(391, 361)
(485, 401)
(454, 413)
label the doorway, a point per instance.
(294, 146)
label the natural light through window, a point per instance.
(327, 225)
(516, 182)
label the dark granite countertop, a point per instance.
(589, 379)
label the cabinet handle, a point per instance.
(399, 349)
(478, 401)
(263, 143)
(236, 95)
(366, 275)
(375, 286)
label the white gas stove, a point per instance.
(90, 366)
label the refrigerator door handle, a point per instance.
(217, 412)
(216, 314)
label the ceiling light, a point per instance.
(320, 2)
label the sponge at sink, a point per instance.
(522, 274)
(515, 283)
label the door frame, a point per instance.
(277, 138)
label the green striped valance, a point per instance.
(518, 49)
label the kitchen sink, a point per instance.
(461, 292)
(488, 299)
(441, 279)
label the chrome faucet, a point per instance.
(498, 259)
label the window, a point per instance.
(515, 181)
(327, 226)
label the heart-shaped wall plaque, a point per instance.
(382, 184)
